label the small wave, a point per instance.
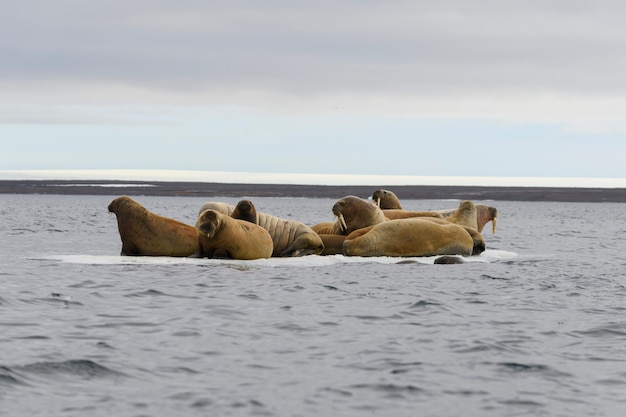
(8, 377)
(424, 304)
(81, 368)
(611, 330)
(532, 368)
(156, 293)
(391, 390)
(54, 298)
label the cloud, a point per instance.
(555, 61)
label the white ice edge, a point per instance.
(489, 255)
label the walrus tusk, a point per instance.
(342, 223)
(377, 202)
(493, 225)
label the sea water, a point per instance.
(534, 326)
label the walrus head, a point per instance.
(208, 222)
(124, 205)
(245, 210)
(120, 202)
(486, 214)
(386, 200)
(355, 213)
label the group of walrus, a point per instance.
(380, 227)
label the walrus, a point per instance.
(464, 215)
(390, 204)
(223, 208)
(352, 213)
(245, 210)
(393, 214)
(477, 237)
(448, 259)
(484, 215)
(409, 237)
(290, 237)
(333, 244)
(236, 238)
(144, 233)
(388, 200)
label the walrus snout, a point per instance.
(207, 223)
(204, 228)
(338, 211)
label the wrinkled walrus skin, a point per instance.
(144, 233)
(409, 237)
(232, 238)
(290, 237)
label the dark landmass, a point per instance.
(408, 192)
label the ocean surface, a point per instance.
(535, 326)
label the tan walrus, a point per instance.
(238, 239)
(409, 237)
(355, 213)
(290, 237)
(144, 233)
(386, 200)
(389, 202)
(352, 213)
(484, 215)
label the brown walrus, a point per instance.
(409, 237)
(356, 213)
(352, 213)
(393, 214)
(290, 237)
(484, 215)
(387, 200)
(464, 215)
(448, 259)
(477, 237)
(245, 210)
(237, 239)
(144, 233)
(389, 203)
(333, 244)
(223, 208)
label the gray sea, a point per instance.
(535, 326)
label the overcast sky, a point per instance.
(446, 87)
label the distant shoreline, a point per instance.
(210, 189)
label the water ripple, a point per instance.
(83, 369)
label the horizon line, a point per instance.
(227, 177)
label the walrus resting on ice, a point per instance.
(484, 215)
(386, 200)
(290, 237)
(389, 202)
(333, 244)
(148, 234)
(352, 213)
(237, 239)
(409, 237)
(477, 238)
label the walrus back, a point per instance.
(282, 231)
(145, 233)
